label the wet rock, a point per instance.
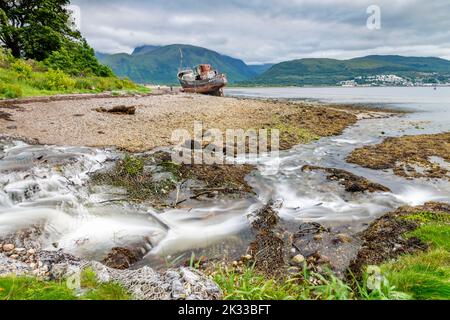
(325, 246)
(122, 258)
(342, 238)
(268, 248)
(298, 260)
(310, 228)
(350, 181)
(10, 266)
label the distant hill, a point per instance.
(153, 64)
(260, 68)
(330, 71)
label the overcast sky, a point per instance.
(262, 31)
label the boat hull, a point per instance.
(209, 86)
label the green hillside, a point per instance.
(150, 64)
(331, 71)
(260, 68)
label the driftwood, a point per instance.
(126, 110)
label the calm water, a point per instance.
(429, 104)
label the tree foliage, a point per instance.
(42, 30)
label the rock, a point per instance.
(322, 259)
(247, 257)
(350, 181)
(298, 259)
(20, 251)
(318, 237)
(31, 252)
(122, 258)
(342, 238)
(14, 256)
(8, 247)
(9, 266)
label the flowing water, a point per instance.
(48, 185)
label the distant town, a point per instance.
(382, 80)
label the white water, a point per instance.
(45, 185)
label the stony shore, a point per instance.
(80, 122)
(138, 124)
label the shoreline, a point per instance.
(316, 250)
(75, 120)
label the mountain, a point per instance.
(330, 71)
(260, 68)
(152, 64)
(144, 49)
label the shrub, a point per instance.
(77, 59)
(10, 91)
(5, 58)
(23, 69)
(58, 80)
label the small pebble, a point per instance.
(298, 259)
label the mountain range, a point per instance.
(160, 64)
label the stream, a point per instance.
(48, 186)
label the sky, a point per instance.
(271, 31)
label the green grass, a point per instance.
(427, 217)
(426, 276)
(250, 285)
(435, 234)
(27, 288)
(30, 288)
(20, 78)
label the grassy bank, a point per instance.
(420, 276)
(26, 78)
(29, 288)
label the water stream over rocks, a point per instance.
(48, 186)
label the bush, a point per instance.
(10, 91)
(23, 69)
(55, 80)
(5, 58)
(78, 59)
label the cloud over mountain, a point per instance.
(260, 31)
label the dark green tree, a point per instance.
(43, 30)
(33, 29)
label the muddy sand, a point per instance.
(79, 122)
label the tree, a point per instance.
(42, 30)
(33, 29)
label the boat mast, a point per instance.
(181, 60)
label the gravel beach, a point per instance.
(78, 122)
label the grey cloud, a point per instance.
(259, 31)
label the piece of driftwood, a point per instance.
(126, 110)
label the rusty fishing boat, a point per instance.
(203, 79)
